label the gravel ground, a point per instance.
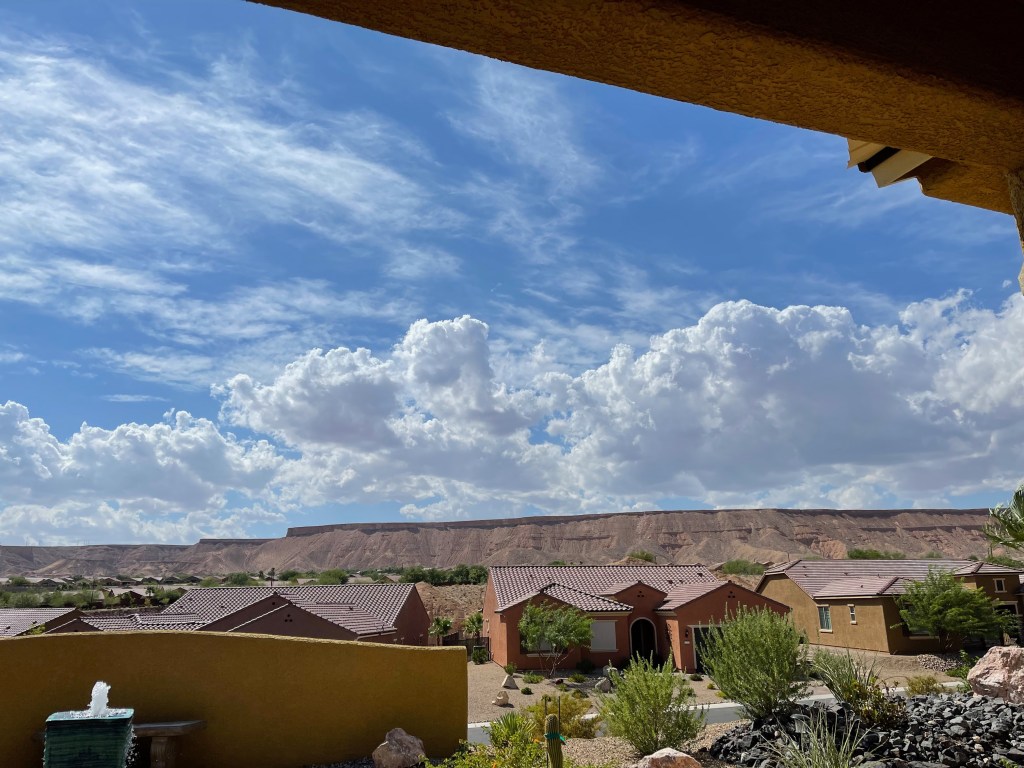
(615, 753)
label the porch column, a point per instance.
(1015, 181)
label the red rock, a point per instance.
(1000, 672)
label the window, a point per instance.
(853, 614)
(602, 636)
(825, 618)
(1000, 585)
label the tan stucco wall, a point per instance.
(269, 702)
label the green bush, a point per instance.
(511, 728)
(855, 683)
(965, 665)
(578, 677)
(651, 708)
(510, 668)
(480, 655)
(820, 747)
(526, 690)
(742, 568)
(923, 685)
(756, 658)
(696, 677)
(570, 712)
(874, 554)
(332, 576)
(532, 677)
(642, 554)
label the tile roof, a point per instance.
(688, 593)
(582, 600)
(849, 578)
(17, 621)
(362, 608)
(515, 583)
(350, 617)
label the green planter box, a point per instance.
(76, 740)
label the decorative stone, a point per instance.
(501, 700)
(1000, 672)
(668, 758)
(399, 750)
(604, 685)
(510, 682)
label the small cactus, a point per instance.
(553, 737)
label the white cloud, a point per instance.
(800, 406)
(525, 118)
(137, 481)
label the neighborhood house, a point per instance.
(854, 603)
(383, 613)
(657, 611)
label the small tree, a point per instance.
(439, 627)
(941, 606)
(474, 625)
(757, 658)
(332, 576)
(1006, 522)
(552, 632)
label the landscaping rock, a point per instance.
(501, 700)
(604, 685)
(1000, 672)
(399, 750)
(668, 758)
(510, 682)
(949, 729)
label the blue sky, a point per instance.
(259, 270)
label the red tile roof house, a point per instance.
(854, 603)
(644, 609)
(383, 613)
(24, 621)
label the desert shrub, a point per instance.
(578, 694)
(578, 677)
(642, 554)
(696, 677)
(526, 691)
(586, 666)
(820, 747)
(742, 568)
(25, 600)
(510, 668)
(712, 687)
(756, 658)
(239, 579)
(532, 677)
(570, 712)
(855, 683)
(480, 655)
(873, 554)
(923, 685)
(965, 665)
(651, 708)
(332, 576)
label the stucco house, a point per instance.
(648, 610)
(383, 613)
(854, 603)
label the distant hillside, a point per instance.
(707, 536)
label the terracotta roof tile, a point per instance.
(582, 600)
(512, 584)
(840, 578)
(17, 621)
(687, 594)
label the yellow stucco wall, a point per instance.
(269, 702)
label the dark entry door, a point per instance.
(641, 639)
(699, 635)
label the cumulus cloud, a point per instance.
(161, 481)
(750, 405)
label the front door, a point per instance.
(642, 641)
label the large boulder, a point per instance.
(1000, 673)
(668, 758)
(399, 750)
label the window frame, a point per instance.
(853, 612)
(615, 635)
(1000, 585)
(824, 612)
